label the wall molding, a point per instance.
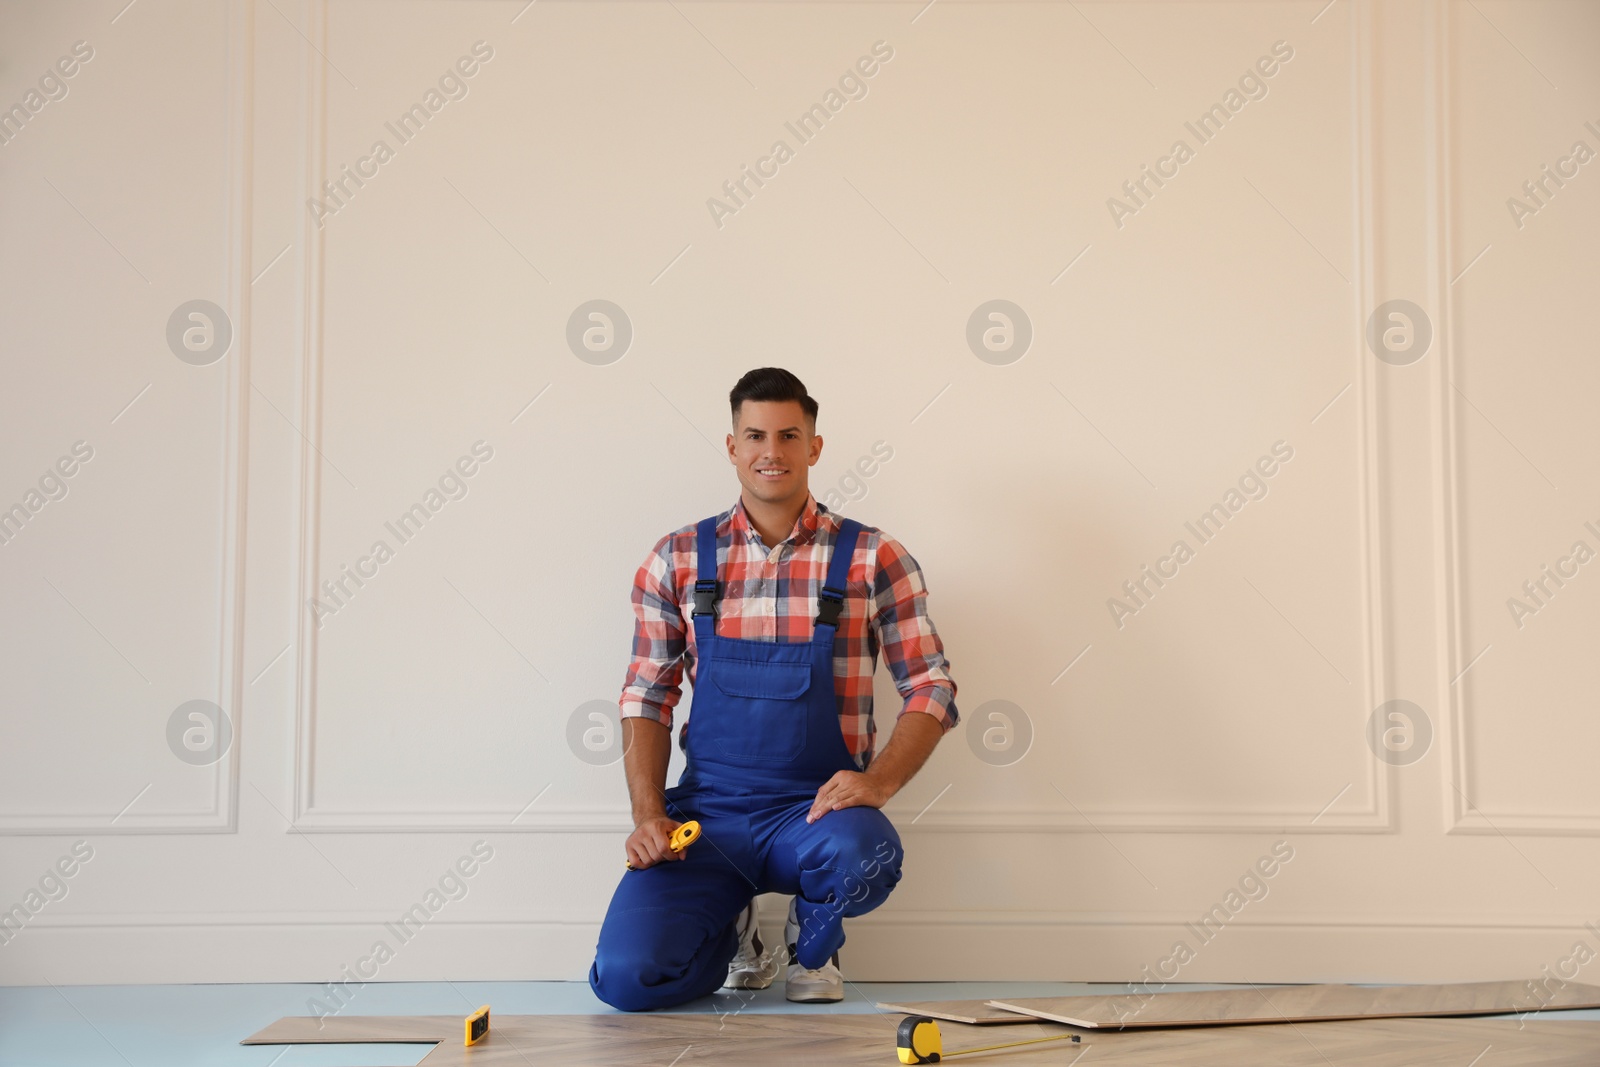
(1374, 815)
(883, 947)
(617, 819)
(1453, 655)
(886, 916)
(221, 814)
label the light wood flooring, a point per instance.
(736, 1040)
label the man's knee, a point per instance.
(863, 841)
(618, 975)
(858, 862)
(623, 987)
(651, 958)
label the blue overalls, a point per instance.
(764, 736)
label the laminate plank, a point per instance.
(750, 1040)
(360, 1029)
(1272, 1004)
(971, 1012)
(1398, 1042)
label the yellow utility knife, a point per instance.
(682, 838)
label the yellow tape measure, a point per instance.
(682, 838)
(918, 1041)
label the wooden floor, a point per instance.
(657, 1040)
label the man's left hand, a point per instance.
(849, 789)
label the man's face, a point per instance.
(772, 447)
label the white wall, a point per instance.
(375, 344)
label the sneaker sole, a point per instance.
(748, 981)
(814, 998)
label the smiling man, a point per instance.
(777, 607)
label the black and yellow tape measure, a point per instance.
(682, 838)
(918, 1041)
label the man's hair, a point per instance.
(772, 383)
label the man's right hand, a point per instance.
(651, 842)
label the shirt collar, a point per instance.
(805, 527)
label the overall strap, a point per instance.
(705, 587)
(830, 601)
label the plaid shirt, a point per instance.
(771, 595)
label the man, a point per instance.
(778, 608)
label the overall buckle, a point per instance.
(705, 596)
(829, 604)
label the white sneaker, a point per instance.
(754, 966)
(823, 984)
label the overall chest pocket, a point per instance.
(762, 708)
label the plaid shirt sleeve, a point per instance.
(911, 646)
(652, 686)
